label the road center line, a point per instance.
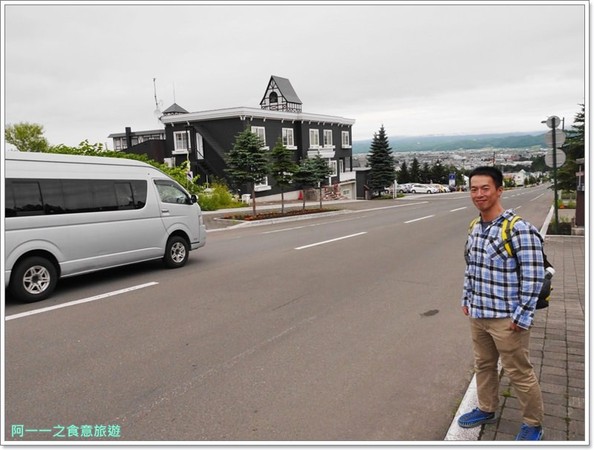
(78, 302)
(331, 240)
(420, 218)
(458, 209)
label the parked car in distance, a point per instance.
(441, 188)
(423, 189)
(404, 188)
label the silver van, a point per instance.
(68, 215)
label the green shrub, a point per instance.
(217, 196)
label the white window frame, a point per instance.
(328, 139)
(180, 142)
(261, 132)
(262, 186)
(314, 138)
(334, 167)
(199, 146)
(289, 138)
(346, 143)
(341, 165)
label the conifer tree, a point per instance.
(312, 172)
(381, 162)
(247, 162)
(282, 168)
(574, 149)
(403, 175)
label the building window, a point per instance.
(346, 142)
(199, 147)
(180, 142)
(341, 165)
(327, 138)
(314, 138)
(273, 97)
(262, 186)
(261, 133)
(288, 138)
(333, 167)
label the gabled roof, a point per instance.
(175, 109)
(285, 88)
(284, 85)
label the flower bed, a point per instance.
(277, 214)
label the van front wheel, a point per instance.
(176, 252)
(33, 279)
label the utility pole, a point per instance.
(555, 138)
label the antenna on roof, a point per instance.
(158, 104)
(174, 92)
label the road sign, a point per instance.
(559, 138)
(553, 122)
(560, 158)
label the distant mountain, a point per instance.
(457, 142)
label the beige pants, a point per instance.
(491, 339)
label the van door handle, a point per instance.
(164, 210)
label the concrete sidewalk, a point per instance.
(557, 350)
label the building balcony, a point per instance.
(347, 176)
(324, 152)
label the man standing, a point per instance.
(500, 294)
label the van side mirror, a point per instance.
(194, 198)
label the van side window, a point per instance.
(169, 192)
(27, 198)
(46, 196)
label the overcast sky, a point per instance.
(84, 71)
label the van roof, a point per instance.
(66, 158)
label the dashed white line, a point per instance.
(420, 218)
(330, 240)
(78, 302)
(458, 209)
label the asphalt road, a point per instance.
(340, 328)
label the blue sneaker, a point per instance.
(475, 418)
(528, 433)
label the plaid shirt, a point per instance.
(497, 285)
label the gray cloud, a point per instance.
(85, 71)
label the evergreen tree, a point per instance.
(403, 175)
(425, 174)
(322, 171)
(415, 171)
(312, 172)
(381, 162)
(439, 173)
(247, 162)
(574, 149)
(282, 168)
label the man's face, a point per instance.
(483, 192)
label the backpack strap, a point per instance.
(506, 228)
(473, 223)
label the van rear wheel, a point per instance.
(176, 252)
(33, 279)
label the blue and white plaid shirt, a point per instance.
(497, 285)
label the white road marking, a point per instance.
(78, 302)
(420, 218)
(458, 209)
(330, 240)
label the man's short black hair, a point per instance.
(489, 171)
